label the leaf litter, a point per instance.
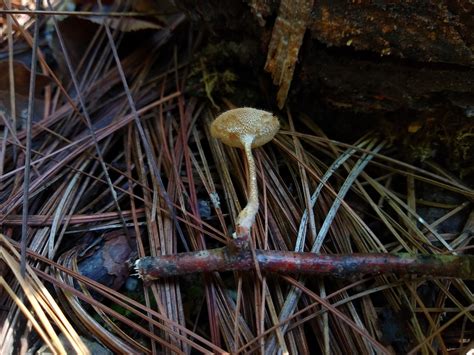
(121, 147)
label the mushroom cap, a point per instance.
(236, 126)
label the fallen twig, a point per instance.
(285, 262)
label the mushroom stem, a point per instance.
(246, 217)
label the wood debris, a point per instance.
(287, 37)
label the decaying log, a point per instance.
(419, 31)
(425, 31)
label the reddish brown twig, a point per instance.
(225, 259)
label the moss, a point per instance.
(443, 137)
(210, 74)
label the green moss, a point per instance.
(443, 137)
(211, 74)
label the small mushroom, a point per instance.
(246, 128)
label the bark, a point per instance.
(425, 43)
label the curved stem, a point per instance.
(247, 215)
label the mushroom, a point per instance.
(246, 128)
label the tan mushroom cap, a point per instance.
(235, 126)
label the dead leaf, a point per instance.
(125, 24)
(22, 83)
(21, 105)
(106, 262)
(77, 35)
(22, 79)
